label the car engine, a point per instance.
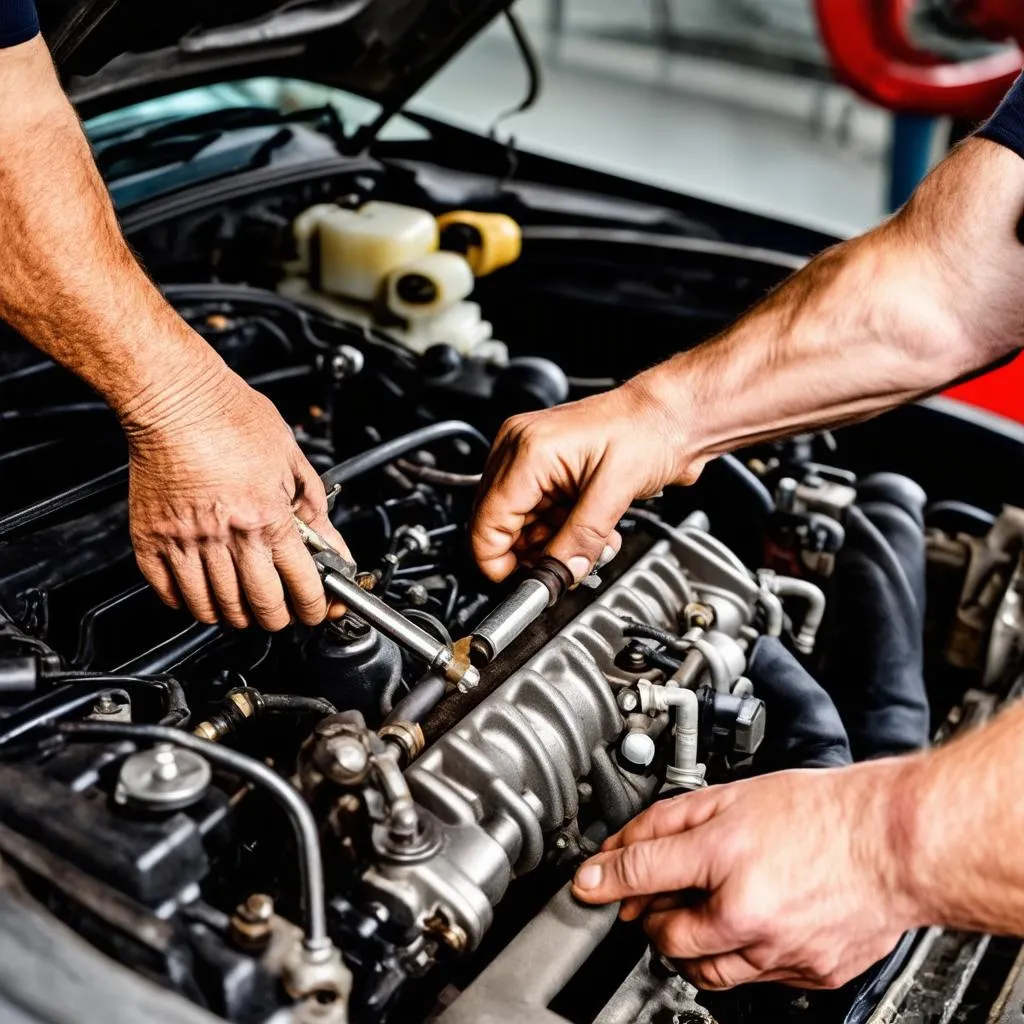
(377, 820)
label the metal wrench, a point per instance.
(339, 581)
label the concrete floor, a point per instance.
(803, 150)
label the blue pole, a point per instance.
(910, 157)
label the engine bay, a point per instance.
(317, 825)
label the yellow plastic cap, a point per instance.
(489, 241)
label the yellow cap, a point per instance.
(489, 241)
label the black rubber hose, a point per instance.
(112, 480)
(388, 451)
(649, 632)
(803, 727)
(176, 711)
(79, 690)
(173, 651)
(749, 480)
(960, 511)
(420, 700)
(295, 704)
(875, 661)
(438, 477)
(307, 839)
(52, 707)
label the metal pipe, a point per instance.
(773, 613)
(791, 586)
(525, 605)
(397, 627)
(687, 720)
(536, 965)
(307, 839)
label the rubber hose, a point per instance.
(803, 727)
(875, 663)
(420, 701)
(295, 704)
(388, 451)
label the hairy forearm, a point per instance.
(882, 319)
(958, 817)
(68, 281)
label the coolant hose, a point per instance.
(388, 451)
(875, 664)
(420, 700)
(803, 727)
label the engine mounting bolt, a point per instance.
(628, 701)
(562, 841)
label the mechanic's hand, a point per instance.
(558, 481)
(213, 484)
(791, 877)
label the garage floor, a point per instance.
(761, 139)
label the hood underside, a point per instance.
(110, 52)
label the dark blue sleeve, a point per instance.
(18, 22)
(1006, 125)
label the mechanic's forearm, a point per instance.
(874, 322)
(68, 281)
(958, 817)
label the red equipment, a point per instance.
(874, 53)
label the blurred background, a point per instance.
(735, 100)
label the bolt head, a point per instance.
(165, 765)
(258, 907)
(628, 701)
(351, 756)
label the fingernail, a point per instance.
(607, 554)
(579, 566)
(588, 876)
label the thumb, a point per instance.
(645, 869)
(590, 526)
(311, 506)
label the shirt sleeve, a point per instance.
(1006, 125)
(18, 22)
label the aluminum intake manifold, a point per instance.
(508, 776)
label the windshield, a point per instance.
(163, 145)
(284, 95)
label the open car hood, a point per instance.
(112, 52)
